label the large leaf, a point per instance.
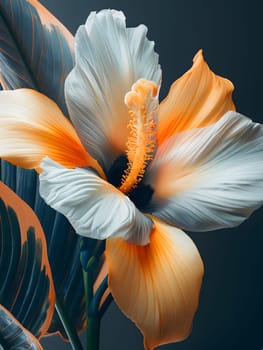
(13, 335)
(26, 285)
(36, 52)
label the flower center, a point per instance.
(142, 102)
(141, 194)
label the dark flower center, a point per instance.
(141, 194)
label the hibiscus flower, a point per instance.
(138, 173)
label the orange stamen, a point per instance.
(142, 102)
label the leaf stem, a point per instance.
(105, 305)
(91, 261)
(95, 303)
(70, 331)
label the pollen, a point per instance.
(142, 102)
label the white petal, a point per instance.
(110, 58)
(211, 177)
(94, 207)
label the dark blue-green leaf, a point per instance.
(26, 285)
(36, 52)
(13, 335)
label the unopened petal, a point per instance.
(110, 58)
(157, 286)
(199, 98)
(209, 178)
(95, 208)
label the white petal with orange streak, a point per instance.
(110, 58)
(209, 178)
(32, 126)
(197, 99)
(94, 207)
(158, 285)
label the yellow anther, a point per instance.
(142, 102)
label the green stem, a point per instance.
(93, 333)
(87, 291)
(90, 263)
(70, 331)
(93, 322)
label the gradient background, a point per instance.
(230, 314)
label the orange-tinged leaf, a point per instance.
(49, 21)
(13, 335)
(26, 284)
(36, 52)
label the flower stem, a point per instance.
(93, 333)
(93, 321)
(70, 331)
(91, 257)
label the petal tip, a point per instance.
(199, 57)
(115, 14)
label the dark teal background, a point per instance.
(230, 314)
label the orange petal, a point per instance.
(197, 99)
(157, 286)
(32, 126)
